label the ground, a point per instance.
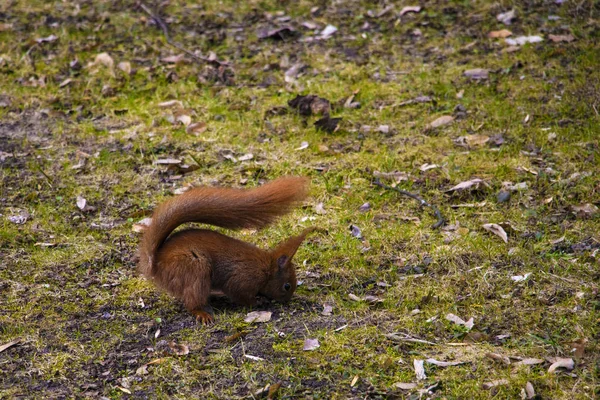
(101, 119)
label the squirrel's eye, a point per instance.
(287, 287)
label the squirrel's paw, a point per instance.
(203, 317)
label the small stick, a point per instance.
(440, 218)
(165, 31)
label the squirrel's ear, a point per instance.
(286, 250)
(282, 260)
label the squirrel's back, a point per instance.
(224, 207)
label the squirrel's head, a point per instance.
(283, 281)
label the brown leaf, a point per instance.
(585, 210)
(496, 230)
(498, 357)
(444, 363)
(196, 128)
(477, 140)
(561, 38)
(405, 386)
(258, 316)
(529, 390)
(492, 384)
(441, 121)
(9, 344)
(501, 34)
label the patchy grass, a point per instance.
(87, 323)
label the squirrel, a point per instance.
(192, 264)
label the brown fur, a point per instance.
(191, 263)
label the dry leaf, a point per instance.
(441, 121)
(173, 59)
(253, 358)
(185, 119)
(521, 40)
(561, 38)
(303, 145)
(520, 278)
(410, 9)
(529, 390)
(328, 31)
(427, 167)
(477, 73)
(258, 316)
(496, 230)
(141, 225)
(444, 363)
(196, 128)
(405, 386)
(103, 59)
(459, 321)
(65, 82)
(327, 309)
(530, 361)
(501, 34)
(171, 104)
(167, 161)
(355, 231)
(311, 344)
(20, 218)
(470, 184)
(81, 203)
(567, 363)
(179, 349)
(125, 66)
(476, 140)
(246, 157)
(9, 344)
(419, 369)
(578, 348)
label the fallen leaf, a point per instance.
(520, 278)
(171, 104)
(410, 9)
(530, 361)
(281, 33)
(561, 38)
(441, 121)
(476, 140)
(427, 167)
(354, 297)
(477, 73)
(246, 157)
(419, 369)
(20, 218)
(365, 207)
(9, 344)
(185, 119)
(355, 231)
(65, 82)
(311, 344)
(459, 321)
(327, 309)
(196, 128)
(567, 363)
(396, 176)
(124, 390)
(529, 390)
(179, 349)
(173, 59)
(354, 381)
(496, 230)
(81, 203)
(125, 66)
(253, 358)
(405, 386)
(470, 184)
(48, 39)
(578, 348)
(258, 316)
(103, 59)
(507, 17)
(328, 31)
(521, 40)
(167, 161)
(303, 145)
(501, 34)
(444, 363)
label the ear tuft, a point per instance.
(282, 260)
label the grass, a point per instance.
(87, 322)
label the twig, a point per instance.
(440, 218)
(165, 31)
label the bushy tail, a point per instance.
(227, 208)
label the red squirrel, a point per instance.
(191, 263)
